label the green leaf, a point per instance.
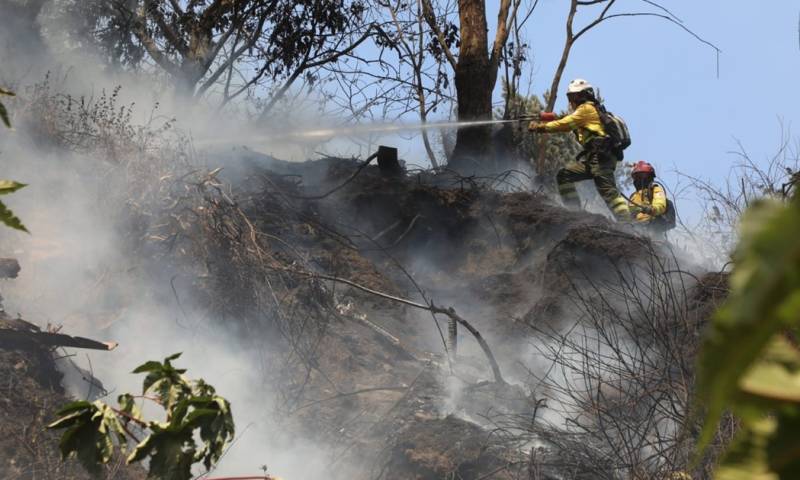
(127, 405)
(746, 458)
(172, 357)
(6, 215)
(170, 451)
(8, 218)
(783, 449)
(774, 380)
(10, 186)
(767, 270)
(213, 417)
(141, 451)
(67, 420)
(765, 449)
(200, 417)
(150, 366)
(3, 112)
(90, 432)
(74, 407)
(4, 115)
(170, 448)
(165, 380)
(201, 389)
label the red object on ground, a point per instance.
(260, 477)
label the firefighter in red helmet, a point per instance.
(649, 202)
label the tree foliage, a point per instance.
(193, 411)
(201, 43)
(750, 362)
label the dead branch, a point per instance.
(450, 312)
(335, 189)
(573, 36)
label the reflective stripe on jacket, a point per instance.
(585, 120)
(657, 200)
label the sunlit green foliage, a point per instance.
(3, 110)
(750, 362)
(7, 217)
(193, 412)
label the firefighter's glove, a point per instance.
(536, 126)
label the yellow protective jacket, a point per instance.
(653, 196)
(585, 120)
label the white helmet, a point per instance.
(579, 85)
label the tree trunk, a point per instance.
(185, 83)
(195, 64)
(474, 80)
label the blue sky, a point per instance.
(665, 84)
(684, 114)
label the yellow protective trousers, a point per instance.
(599, 167)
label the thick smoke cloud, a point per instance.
(79, 273)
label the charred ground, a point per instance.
(315, 255)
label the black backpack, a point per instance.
(667, 220)
(616, 130)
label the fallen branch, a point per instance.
(15, 339)
(450, 312)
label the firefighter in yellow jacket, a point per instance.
(596, 162)
(649, 201)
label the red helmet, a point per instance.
(643, 167)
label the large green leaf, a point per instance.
(767, 270)
(153, 365)
(72, 407)
(746, 458)
(213, 417)
(6, 215)
(90, 432)
(783, 449)
(166, 381)
(774, 380)
(170, 448)
(765, 449)
(769, 409)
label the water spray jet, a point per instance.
(384, 128)
(321, 134)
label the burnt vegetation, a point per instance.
(453, 322)
(371, 292)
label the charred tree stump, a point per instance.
(9, 268)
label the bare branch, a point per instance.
(501, 34)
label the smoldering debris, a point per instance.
(242, 268)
